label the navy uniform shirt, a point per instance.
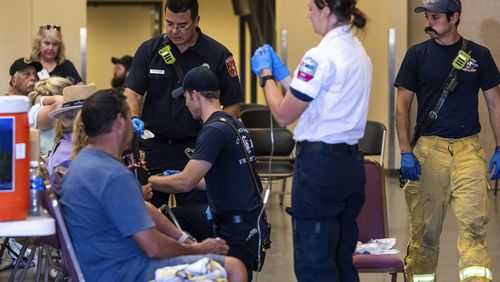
(424, 70)
(228, 183)
(166, 117)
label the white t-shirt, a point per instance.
(336, 78)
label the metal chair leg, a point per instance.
(283, 189)
(19, 259)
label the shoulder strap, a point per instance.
(247, 157)
(167, 55)
(431, 114)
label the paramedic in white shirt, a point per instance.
(328, 94)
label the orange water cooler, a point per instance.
(14, 158)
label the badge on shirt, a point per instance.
(471, 66)
(155, 71)
(231, 67)
(307, 69)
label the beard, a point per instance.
(117, 82)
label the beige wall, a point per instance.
(480, 23)
(114, 31)
(17, 35)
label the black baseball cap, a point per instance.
(125, 60)
(440, 6)
(201, 79)
(23, 63)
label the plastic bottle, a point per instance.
(36, 189)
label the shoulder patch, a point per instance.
(231, 67)
(307, 69)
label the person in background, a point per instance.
(73, 98)
(329, 94)
(121, 70)
(447, 164)
(46, 97)
(48, 48)
(102, 203)
(168, 119)
(23, 76)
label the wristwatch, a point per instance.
(262, 80)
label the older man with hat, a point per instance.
(73, 98)
(444, 161)
(23, 74)
(121, 70)
(220, 159)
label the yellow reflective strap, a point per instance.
(424, 277)
(476, 271)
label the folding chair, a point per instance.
(258, 117)
(246, 106)
(373, 141)
(70, 265)
(372, 224)
(279, 166)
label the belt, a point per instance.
(235, 218)
(321, 146)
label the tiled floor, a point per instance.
(279, 261)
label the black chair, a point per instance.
(373, 141)
(274, 160)
(246, 106)
(258, 118)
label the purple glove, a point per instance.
(495, 162)
(280, 71)
(261, 59)
(410, 167)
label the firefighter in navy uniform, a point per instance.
(169, 120)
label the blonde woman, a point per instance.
(48, 48)
(46, 98)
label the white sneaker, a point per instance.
(14, 249)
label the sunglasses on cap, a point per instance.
(49, 26)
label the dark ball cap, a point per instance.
(201, 79)
(440, 6)
(23, 63)
(125, 60)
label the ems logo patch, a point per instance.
(471, 66)
(307, 69)
(231, 67)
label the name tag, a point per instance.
(153, 71)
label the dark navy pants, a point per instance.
(327, 196)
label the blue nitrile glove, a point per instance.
(280, 71)
(138, 126)
(410, 167)
(495, 162)
(261, 59)
(170, 172)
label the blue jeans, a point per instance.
(327, 196)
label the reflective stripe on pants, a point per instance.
(476, 272)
